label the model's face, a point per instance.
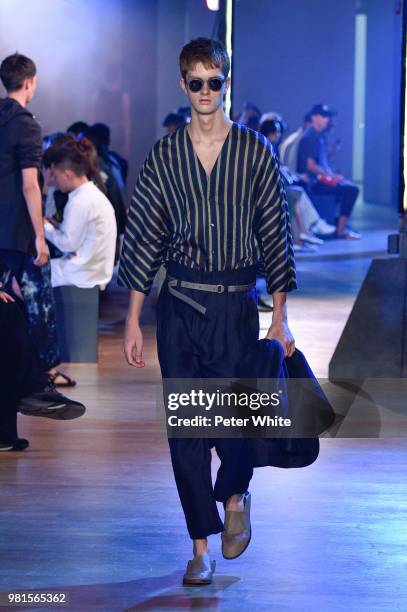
(63, 179)
(206, 101)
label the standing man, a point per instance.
(23, 248)
(21, 222)
(209, 202)
(313, 161)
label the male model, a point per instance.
(209, 202)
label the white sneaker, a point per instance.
(311, 239)
(304, 248)
(323, 228)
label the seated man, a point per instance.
(87, 234)
(288, 158)
(313, 160)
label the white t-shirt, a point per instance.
(87, 237)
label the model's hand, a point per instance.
(42, 251)
(281, 332)
(5, 297)
(133, 344)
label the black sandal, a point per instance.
(69, 382)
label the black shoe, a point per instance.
(263, 306)
(19, 444)
(51, 404)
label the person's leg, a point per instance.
(234, 475)
(299, 228)
(191, 457)
(347, 196)
(13, 261)
(15, 367)
(292, 198)
(38, 297)
(191, 462)
(236, 328)
(309, 213)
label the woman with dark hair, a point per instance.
(87, 234)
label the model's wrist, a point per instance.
(279, 318)
(132, 320)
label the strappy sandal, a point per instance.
(67, 381)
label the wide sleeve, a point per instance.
(146, 235)
(272, 226)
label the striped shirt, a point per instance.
(230, 220)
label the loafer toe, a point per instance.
(199, 570)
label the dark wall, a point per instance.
(72, 44)
(178, 22)
(383, 69)
(140, 69)
(291, 54)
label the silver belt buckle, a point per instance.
(220, 288)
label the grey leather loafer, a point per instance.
(199, 571)
(238, 530)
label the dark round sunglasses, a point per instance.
(215, 84)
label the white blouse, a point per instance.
(87, 237)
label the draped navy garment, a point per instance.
(229, 220)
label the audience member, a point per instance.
(250, 116)
(297, 199)
(21, 229)
(312, 160)
(78, 129)
(185, 111)
(22, 242)
(55, 200)
(87, 234)
(289, 146)
(113, 170)
(288, 157)
(173, 121)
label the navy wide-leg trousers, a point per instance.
(210, 345)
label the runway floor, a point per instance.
(91, 508)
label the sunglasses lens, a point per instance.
(195, 85)
(215, 84)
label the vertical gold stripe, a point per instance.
(226, 229)
(189, 163)
(243, 209)
(201, 208)
(208, 204)
(251, 208)
(216, 196)
(180, 176)
(163, 193)
(234, 201)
